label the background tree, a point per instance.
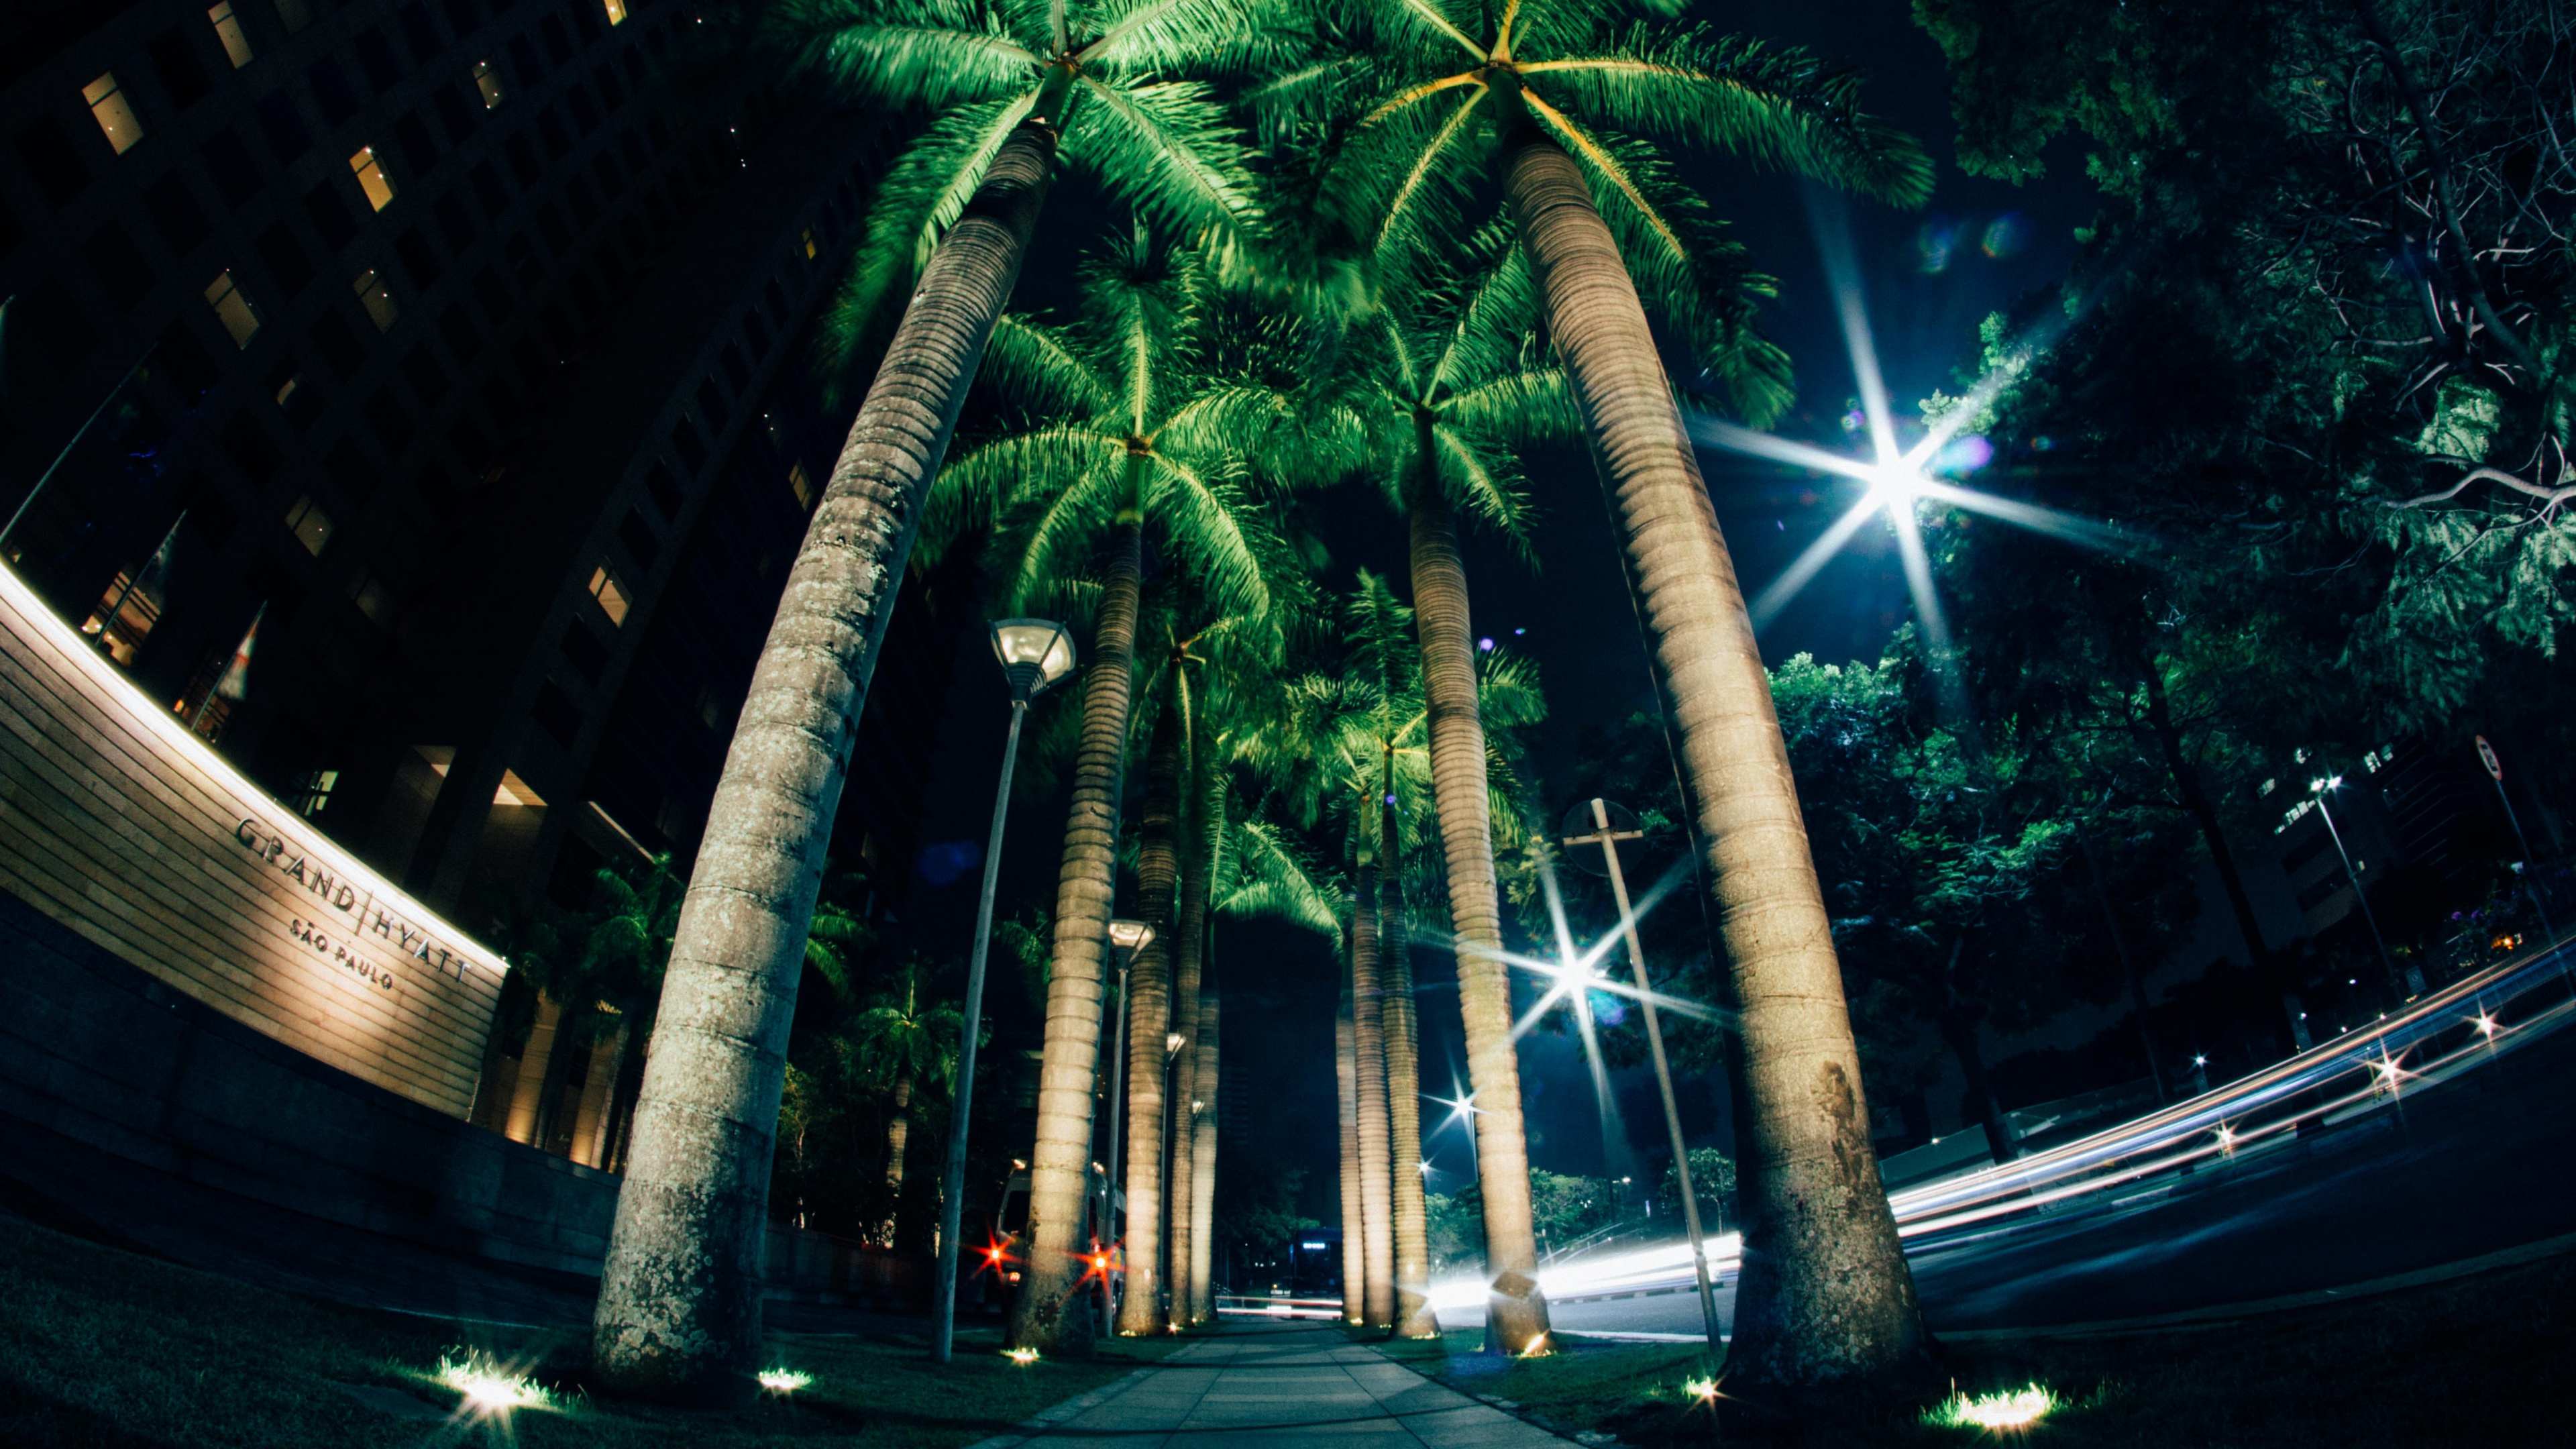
(1141, 414)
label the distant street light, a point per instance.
(1607, 833)
(1126, 938)
(2413, 984)
(1036, 655)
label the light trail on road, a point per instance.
(2438, 1036)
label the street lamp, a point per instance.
(1126, 938)
(1036, 656)
(2414, 978)
(1611, 824)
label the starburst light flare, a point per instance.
(1897, 477)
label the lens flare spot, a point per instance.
(2005, 236)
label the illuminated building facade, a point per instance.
(420, 403)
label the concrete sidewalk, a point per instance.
(1279, 1384)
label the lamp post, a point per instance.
(1607, 832)
(2414, 982)
(2530, 867)
(1036, 655)
(1127, 938)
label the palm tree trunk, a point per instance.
(1515, 1312)
(679, 1302)
(898, 1132)
(1368, 1042)
(1149, 1025)
(1413, 1315)
(1048, 1315)
(1189, 955)
(1346, 1067)
(1825, 1296)
(1203, 1158)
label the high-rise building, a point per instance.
(410, 396)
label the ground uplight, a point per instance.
(1021, 1356)
(490, 1389)
(2006, 1410)
(783, 1380)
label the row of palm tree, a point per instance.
(1418, 130)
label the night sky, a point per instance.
(1929, 279)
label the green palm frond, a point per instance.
(1268, 878)
(921, 196)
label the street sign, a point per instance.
(2487, 757)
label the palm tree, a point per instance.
(1364, 732)
(1147, 414)
(679, 1305)
(1455, 392)
(900, 1043)
(1549, 99)
(1149, 1019)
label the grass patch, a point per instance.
(105, 1349)
(2477, 1362)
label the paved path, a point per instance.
(1281, 1384)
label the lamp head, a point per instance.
(1036, 654)
(1129, 936)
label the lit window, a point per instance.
(233, 309)
(371, 178)
(488, 81)
(616, 11)
(294, 14)
(811, 251)
(611, 593)
(315, 790)
(372, 598)
(310, 525)
(800, 485)
(377, 298)
(228, 29)
(114, 112)
(287, 389)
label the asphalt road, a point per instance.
(2482, 1162)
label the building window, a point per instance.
(228, 29)
(310, 525)
(377, 298)
(611, 593)
(811, 251)
(488, 81)
(710, 709)
(126, 613)
(616, 11)
(233, 309)
(314, 791)
(294, 14)
(800, 485)
(114, 112)
(371, 177)
(372, 598)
